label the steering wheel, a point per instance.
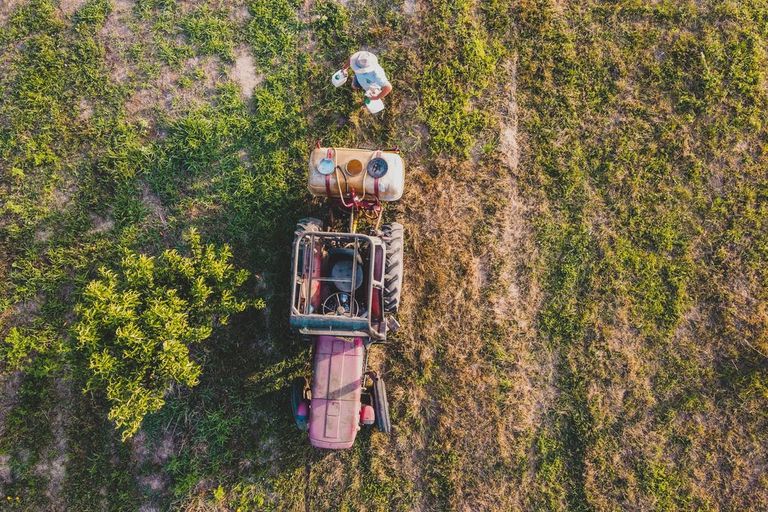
(340, 303)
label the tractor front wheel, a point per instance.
(309, 224)
(299, 403)
(393, 270)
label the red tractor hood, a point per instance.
(336, 387)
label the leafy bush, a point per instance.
(137, 324)
(21, 346)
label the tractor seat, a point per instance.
(340, 262)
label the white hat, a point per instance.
(364, 62)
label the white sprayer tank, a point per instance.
(337, 172)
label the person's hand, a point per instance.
(373, 93)
(380, 93)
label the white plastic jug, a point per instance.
(374, 106)
(339, 78)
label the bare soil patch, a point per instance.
(153, 202)
(5, 470)
(117, 35)
(9, 385)
(68, 7)
(26, 312)
(244, 72)
(7, 7)
(147, 457)
(168, 94)
(101, 224)
(53, 466)
(240, 14)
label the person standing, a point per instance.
(369, 75)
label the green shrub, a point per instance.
(137, 324)
(20, 348)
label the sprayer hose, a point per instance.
(341, 194)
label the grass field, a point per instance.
(585, 310)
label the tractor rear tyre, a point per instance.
(393, 271)
(381, 405)
(298, 386)
(309, 224)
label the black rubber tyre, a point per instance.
(381, 405)
(393, 270)
(297, 396)
(309, 224)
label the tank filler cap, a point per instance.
(377, 167)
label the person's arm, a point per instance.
(383, 93)
(346, 65)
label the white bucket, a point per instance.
(339, 78)
(374, 106)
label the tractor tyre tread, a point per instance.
(381, 406)
(393, 267)
(309, 224)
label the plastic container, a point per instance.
(339, 78)
(387, 188)
(373, 106)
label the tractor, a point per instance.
(345, 292)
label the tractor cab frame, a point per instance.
(337, 285)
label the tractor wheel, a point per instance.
(381, 405)
(309, 224)
(298, 386)
(393, 271)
